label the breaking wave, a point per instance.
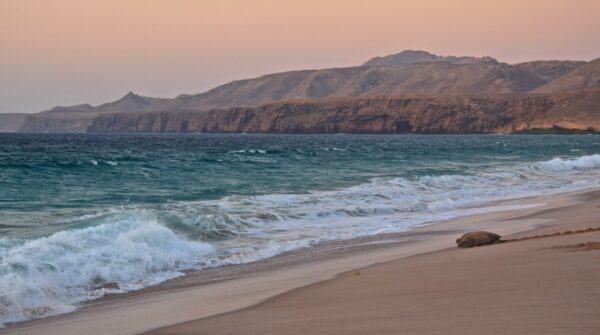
(580, 163)
(128, 248)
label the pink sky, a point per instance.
(64, 52)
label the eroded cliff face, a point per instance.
(58, 122)
(11, 122)
(447, 114)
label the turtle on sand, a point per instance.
(477, 238)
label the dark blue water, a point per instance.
(77, 211)
(57, 171)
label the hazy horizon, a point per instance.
(69, 52)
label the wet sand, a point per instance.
(415, 282)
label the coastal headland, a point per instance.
(409, 92)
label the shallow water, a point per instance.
(80, 211)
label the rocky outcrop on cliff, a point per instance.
(445, 114)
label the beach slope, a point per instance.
(538, 286)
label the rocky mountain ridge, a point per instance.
(581, 77)
(409, 73)
(408, 57)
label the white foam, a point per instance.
(580, 163)
(248, 151)
(50, 275)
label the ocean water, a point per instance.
(78, 212)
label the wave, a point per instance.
(95, 162)
(580, 163)
(127, 248)
(248, 151)
(50, 275)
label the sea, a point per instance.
(85, 215)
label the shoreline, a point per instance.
(207, 293)
(544, 284)
(533, 131)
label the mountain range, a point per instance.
(412, 91)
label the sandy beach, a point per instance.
(415, 283)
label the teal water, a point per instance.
(79, 211)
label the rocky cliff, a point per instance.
(437, 79)
(11, 122)
(58, 122)
(416, 114)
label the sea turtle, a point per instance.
(477, 238)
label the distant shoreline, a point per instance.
(524, 132)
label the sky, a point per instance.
(66, 52)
